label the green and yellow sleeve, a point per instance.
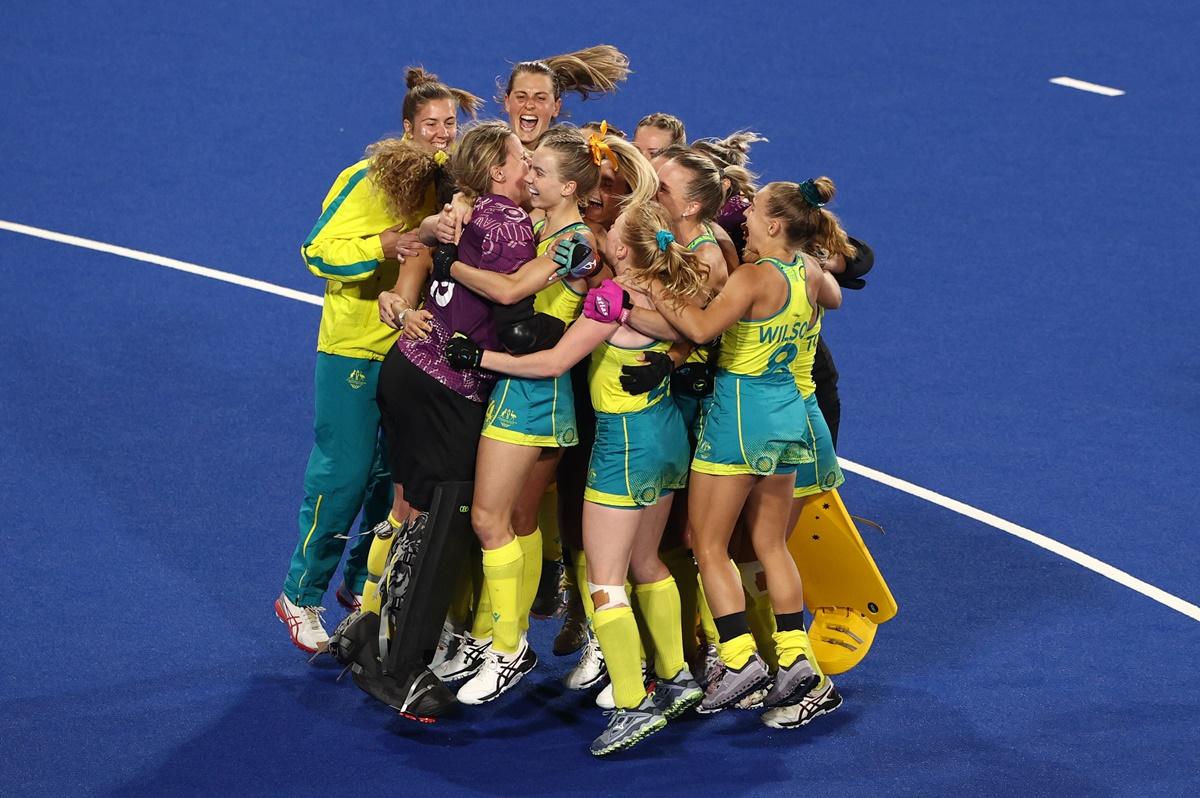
(344, 243)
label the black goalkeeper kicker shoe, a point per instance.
(351, 641)
(417, 694)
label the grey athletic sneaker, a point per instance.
(792, 683)
(821, 700)
(732, 684)
(627, 727)
(677, 695)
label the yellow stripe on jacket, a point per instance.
(344, 249)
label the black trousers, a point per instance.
(825, 375)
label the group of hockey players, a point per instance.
(565, 372)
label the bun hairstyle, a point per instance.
(593, 70)
(807, 224)
(483, 146)
(400, 169)
(657, 256)
(424, 86)
(732, 157)
(705, 186)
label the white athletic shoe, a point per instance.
(466, 660)
(821, 700)
(447, 645)
(499, 674)
(591, 670)
(605, 698)
(303, 623)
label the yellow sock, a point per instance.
(481, 626)
(793, 643)
(376, 560)
(616, 630)
(737, 652)
(660, 608)
(760, 616)
(531, 551)
(644, 642)
(589, 607)
(547, 516)
(481, 622)
(683, 568)
(706, 617)
(460, 604)
(502, 571)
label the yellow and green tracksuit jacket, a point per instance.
(344, 249)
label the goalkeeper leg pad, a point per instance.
(429, 555)
(843, 587)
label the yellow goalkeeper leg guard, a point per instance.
(843, 587)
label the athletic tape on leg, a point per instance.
(607, 597)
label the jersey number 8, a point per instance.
(781, 359)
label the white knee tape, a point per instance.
(608, 596)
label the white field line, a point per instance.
(159, 260)
(1036, 538)
(1083, 85)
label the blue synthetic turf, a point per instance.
(1022, 346)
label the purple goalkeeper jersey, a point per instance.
(499, 238)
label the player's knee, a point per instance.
(710, 554)
(491, 524)
(524, 521)
(648, 570)
(772, 550)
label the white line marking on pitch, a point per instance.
(1083, 85)
(1036, 538)
(159, 260)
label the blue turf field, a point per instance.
(1022, 347)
